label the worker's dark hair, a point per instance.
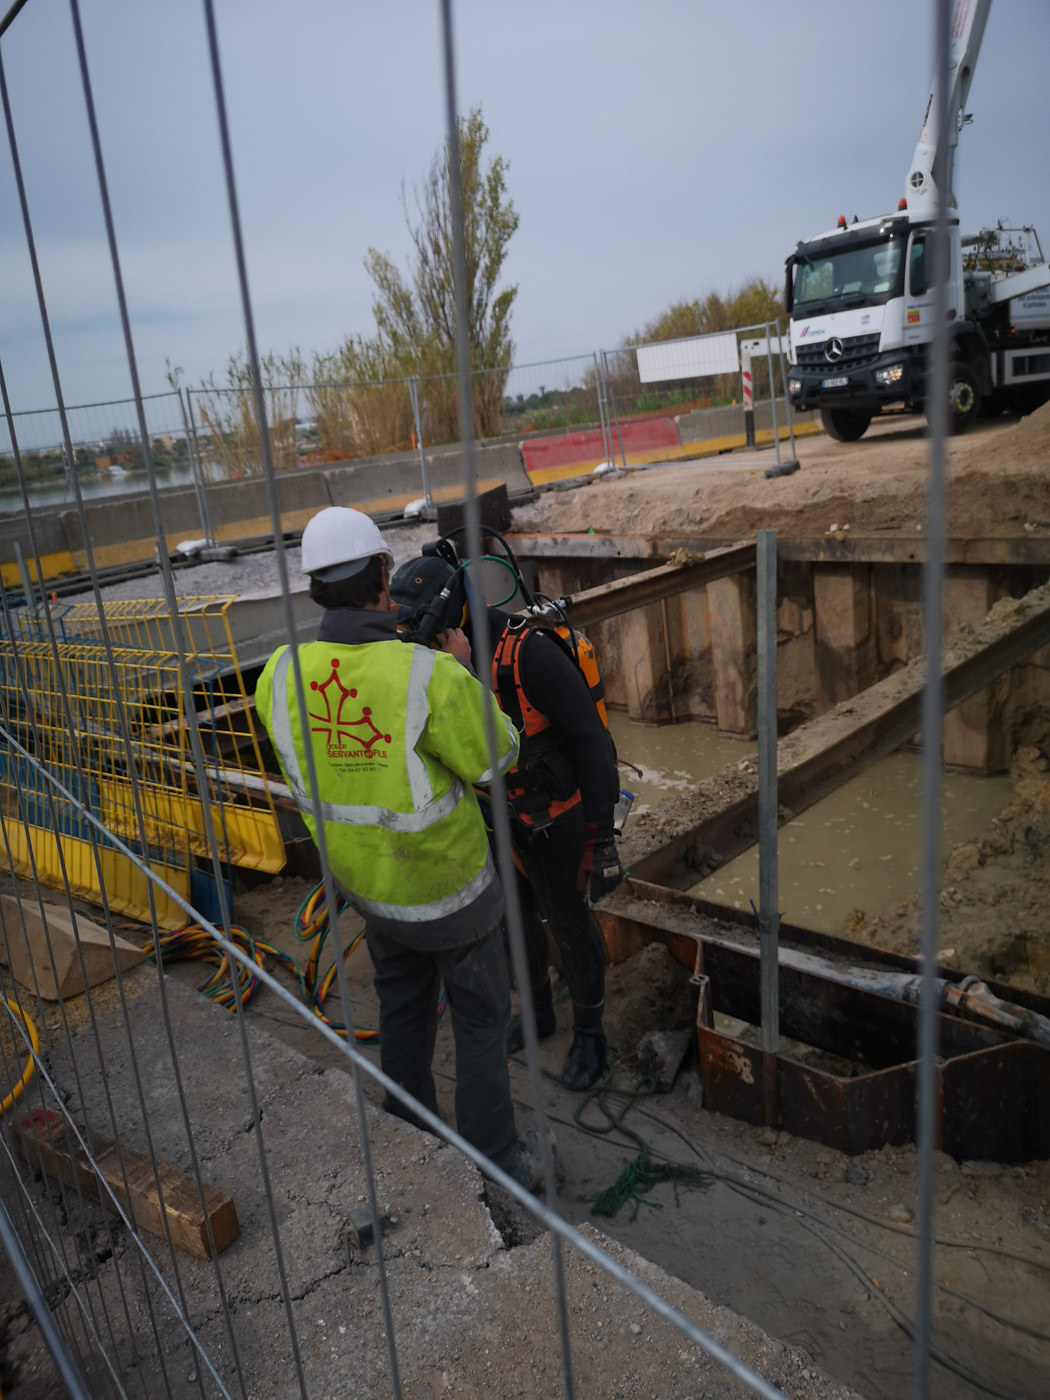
(357, 591)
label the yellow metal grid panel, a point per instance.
(116, 728)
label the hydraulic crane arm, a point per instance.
(964, 44)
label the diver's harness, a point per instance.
(543, 785)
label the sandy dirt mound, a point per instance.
(876, 485)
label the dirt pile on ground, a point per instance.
(995, 895)
(649, 992)
(1021, 445)
(874, 486)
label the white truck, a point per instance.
(860, 297)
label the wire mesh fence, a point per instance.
(567, 416)
(192, 1206)
(105, 451)
(312, 423)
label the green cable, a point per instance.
(642, 1175)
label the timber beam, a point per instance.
(837, 548)
(624, 595)
(821, 755)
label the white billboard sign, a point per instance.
(779, 345)
(688, 359)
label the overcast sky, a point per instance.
(658, 150)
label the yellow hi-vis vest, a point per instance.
(398, 739)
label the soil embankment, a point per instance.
(999, 486)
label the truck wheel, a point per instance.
(844, 425)
(964, 397)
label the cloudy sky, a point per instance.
(658, 149)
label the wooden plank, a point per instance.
(733, 652)
(821, 755)
(206, 719)
(888, 549)
(611, 599)
(840, 547)
(43, 1141)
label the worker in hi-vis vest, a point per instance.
(397, 733)
(561, 796)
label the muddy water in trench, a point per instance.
(858, 849)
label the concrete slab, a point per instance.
(472, 1318)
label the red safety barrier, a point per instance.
(549, 454)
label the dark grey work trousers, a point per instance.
(552, 865)
(407, 983)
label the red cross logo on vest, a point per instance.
(361, 731)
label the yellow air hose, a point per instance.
(34, 1041)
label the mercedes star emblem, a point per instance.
(833, 350)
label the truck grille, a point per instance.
(857, 350)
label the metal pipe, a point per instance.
(932, 731)
(768, 913)
(787, 396)
(197, 467)
(611, 396)
(603, 411)
(413, 394)
(27, 1282)
(772, 395)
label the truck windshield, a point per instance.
(858, 271)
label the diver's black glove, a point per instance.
(600, 868)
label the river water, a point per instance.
(95, 485)
(858, 849)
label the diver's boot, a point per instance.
(586, 1060)
(546, 1022)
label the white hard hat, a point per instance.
(339, 541)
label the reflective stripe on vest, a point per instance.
(426, 809)
(436, 908)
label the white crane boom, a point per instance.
(964, 44)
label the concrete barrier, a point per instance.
(55, 557)
(381, 485)
(122, 529)
(241, 509)
(720, 429)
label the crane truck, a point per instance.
(860, 297)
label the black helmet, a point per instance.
(431, 597)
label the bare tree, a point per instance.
(416, 313)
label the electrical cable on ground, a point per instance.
(893, 1226)
(810, 1221)
(639, 1178)
(30, 1065)
(194, 943)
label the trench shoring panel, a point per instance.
(993, 1088)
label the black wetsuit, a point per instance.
(552, 856)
